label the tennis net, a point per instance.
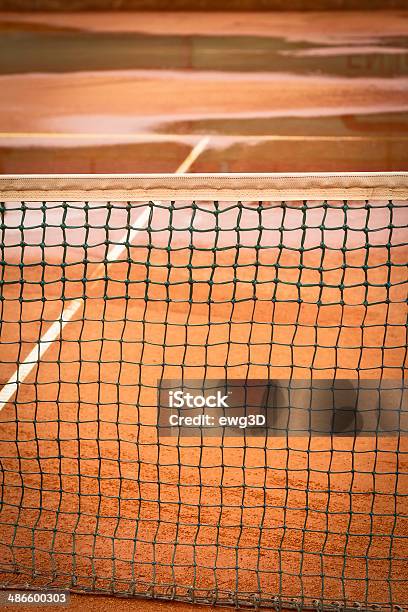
(111, 285)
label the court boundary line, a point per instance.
(174, 137)
(25, 368)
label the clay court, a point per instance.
(104, 297)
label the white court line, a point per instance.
(192, 156)
(152, 136)
(32, 359)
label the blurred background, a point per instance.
(133, 86)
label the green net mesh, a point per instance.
(100, 300)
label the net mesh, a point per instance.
(101, 300)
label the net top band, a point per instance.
(227, 187)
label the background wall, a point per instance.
(197, 5)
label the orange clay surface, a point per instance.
(50, 100)
(295, 26)
(64, 96)
(328, 90)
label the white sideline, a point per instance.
(26, 367)
(192, 156)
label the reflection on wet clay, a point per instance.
(350, 124)
(40, 50)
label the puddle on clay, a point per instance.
(353, 124)
(38, 49)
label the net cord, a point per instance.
(226, 187)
